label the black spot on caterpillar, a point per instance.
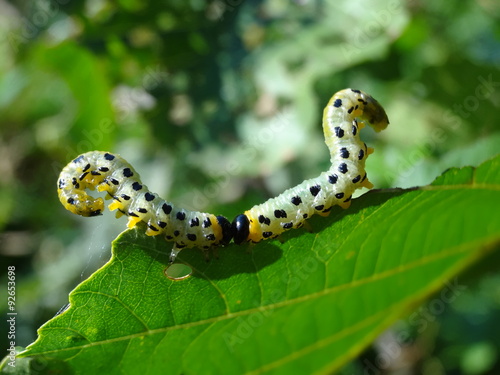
(112, 174)
(343, 117)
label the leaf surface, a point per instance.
(307, 305)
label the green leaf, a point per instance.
(308, 305)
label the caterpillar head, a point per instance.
(81, 203)
(374, 113)
(241, 229)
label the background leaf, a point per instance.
(218, 105)
(305, 306)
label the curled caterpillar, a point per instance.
(112, 174)
(343, 117)
(345, 114)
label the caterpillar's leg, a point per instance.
(307, 226)
(115, 205)
(206, 255)
(174, 252)
(280, 239)
(249, 246)
(367, 184)
(212, 252)
(132, 221)
(119, 213)
(347, 204)
(325, 213)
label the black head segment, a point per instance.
(241, 229)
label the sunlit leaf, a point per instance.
(309, 304)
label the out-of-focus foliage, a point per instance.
(218, 105)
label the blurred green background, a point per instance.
(218, 105)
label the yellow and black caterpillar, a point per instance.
(114, 175)
(343, 117)
(346, 113)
